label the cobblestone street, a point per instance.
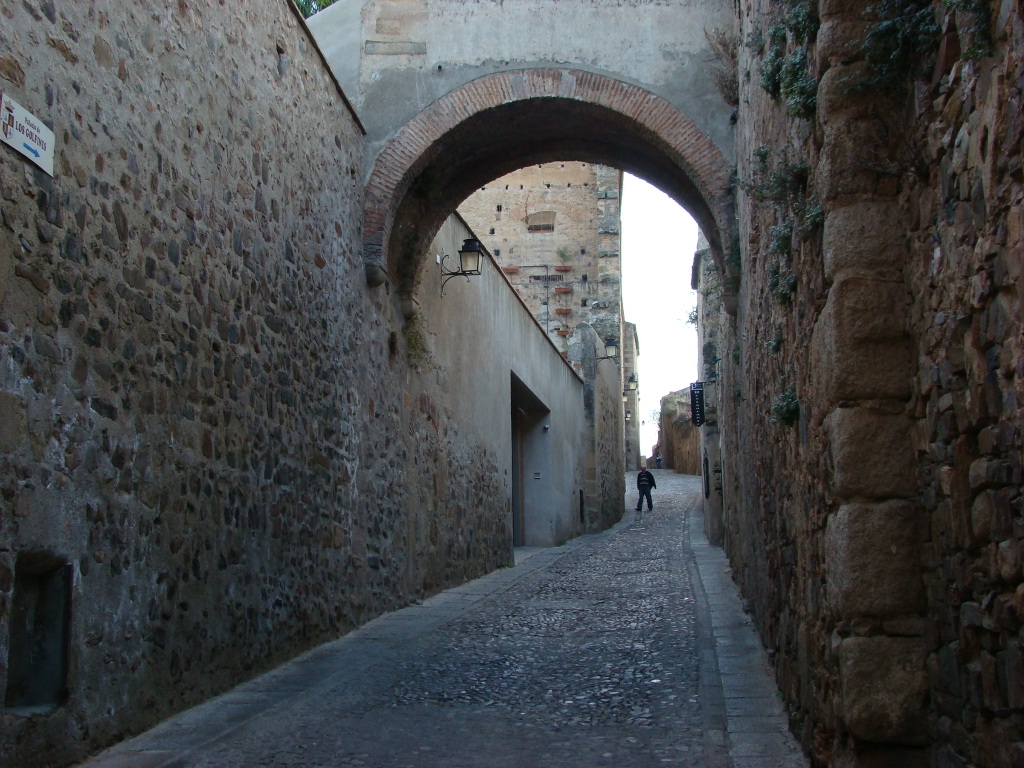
(621, 649)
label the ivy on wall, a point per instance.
(785, 184)
(785, 72)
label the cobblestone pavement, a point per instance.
(599, 653)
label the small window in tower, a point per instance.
(541, 221)
(499, 209)
(492, 230)
(497, 252)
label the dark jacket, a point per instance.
(645, 478)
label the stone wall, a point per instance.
(631, 398)
(875, 522)
(713, 323)
(607, 467)
(206, 433)
(480, 356)
(679, 440)
(554, 229)
(966, 242)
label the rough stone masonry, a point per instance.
(877, 350)
(204, 433)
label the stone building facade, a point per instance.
(870, 335)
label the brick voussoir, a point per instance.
(692, 151)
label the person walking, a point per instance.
(644, 484)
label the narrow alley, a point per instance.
(628, 648)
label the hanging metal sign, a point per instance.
(26, 133)
(697, 403)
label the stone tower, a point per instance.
(554, 228)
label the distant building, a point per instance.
(678, 438)
(555, 230)
(631, 397)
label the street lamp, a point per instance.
(611, 349)
(631, 383)
(470, 256)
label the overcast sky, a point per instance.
(658, 241)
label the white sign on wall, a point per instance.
(25, 132)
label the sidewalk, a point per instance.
(626, 648)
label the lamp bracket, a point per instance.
(447, 274)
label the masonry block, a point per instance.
(14, 434)
(871, 561)
(866, 238)
(884, 688)
(859, 347)
(850, 156)
(872, 454)
(838, 42)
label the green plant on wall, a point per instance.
(711, 360)
(783, 182)
(798, 210)
(733, 258)
(781, 281)
(774, 56)
(900, 39)
(309, 7)
(796, 86)
(785, 409)
(781, 240)
(974, 18)
(785, 73)
(563, 253)
(810, 216)
(801, 19)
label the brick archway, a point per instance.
(503, 121)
